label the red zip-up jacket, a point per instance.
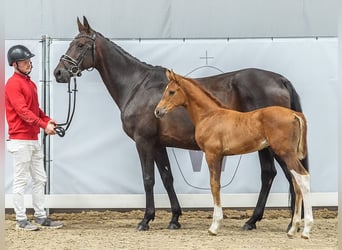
(24, 117)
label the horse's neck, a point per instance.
(199, 103)
(119, 71)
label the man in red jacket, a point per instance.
(25, 119)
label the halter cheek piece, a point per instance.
(74, 71)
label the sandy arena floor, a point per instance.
(116, 230)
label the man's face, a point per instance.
(24, 66)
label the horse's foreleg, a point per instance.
(304, 185)
(268, 172)
(163, 165)
(215, 176)
(147, 165)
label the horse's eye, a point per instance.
(80, 45)
(171, 92)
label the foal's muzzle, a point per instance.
(159, 112)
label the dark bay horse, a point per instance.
(220, 131)
(136, 88)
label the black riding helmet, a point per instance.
(18, 53)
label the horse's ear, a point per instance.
(87, 27)
(80, 25)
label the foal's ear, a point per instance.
(168, 74)
(171, 75)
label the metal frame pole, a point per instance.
(45, 82)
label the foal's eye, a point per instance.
(171, 92)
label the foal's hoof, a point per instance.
(248, 227)
(174, 225)
(211, 233)
(289, 227)
(291, 233)
(305, 236)
(143, 227)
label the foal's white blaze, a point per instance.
(304, 184)
(217, 218)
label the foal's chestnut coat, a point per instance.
(220, 131)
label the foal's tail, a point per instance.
(296, 106)
(301, 147)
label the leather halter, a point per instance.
(75, 71)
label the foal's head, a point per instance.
(173, 96)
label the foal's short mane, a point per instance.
(211, 96)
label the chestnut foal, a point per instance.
(220, 131)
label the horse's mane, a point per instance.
(210, 95)
(124, 51)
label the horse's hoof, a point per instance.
(174, 225)
(248, 227)
(143, 227)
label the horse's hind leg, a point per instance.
(163, 164)
(215, 164)
(268, 172)
(147, 164)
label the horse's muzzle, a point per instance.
(62, 75)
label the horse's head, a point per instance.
(173, 95)
(80, 54)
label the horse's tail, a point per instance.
(296, 106)
(301, 147)
(294, 97)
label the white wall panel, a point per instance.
(96, 157)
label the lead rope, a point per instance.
(59, 127)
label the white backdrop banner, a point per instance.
(96, 157)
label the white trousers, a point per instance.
(28, 162)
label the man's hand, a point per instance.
(50, 128)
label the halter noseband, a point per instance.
(75, 69)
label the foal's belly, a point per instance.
(233, 147)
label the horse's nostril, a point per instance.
(57, 73)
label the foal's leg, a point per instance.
(163, 164)
(301, 184)
(215, 164)
(296, 216)
(304, 184)
(289, 178)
